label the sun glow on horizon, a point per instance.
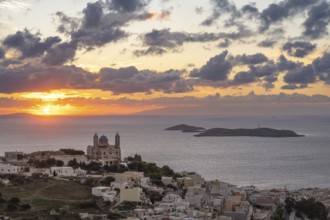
(47, 110)
(48, 96)
(53, 110)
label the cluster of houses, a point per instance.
(202, 199)
(17, 163)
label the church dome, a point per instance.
(103, 140)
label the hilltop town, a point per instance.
(69, 184)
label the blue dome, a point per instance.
(103, 140)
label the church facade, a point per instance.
(102, 151)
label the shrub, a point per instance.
(15, 200)
(11, 208)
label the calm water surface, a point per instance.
(263, 162)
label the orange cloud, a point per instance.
(164, 15)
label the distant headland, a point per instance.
(225, 132)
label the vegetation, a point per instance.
(310, 207)
(71, 151)
(278, 214)
(116, 215)
(107, 180)
(51, 162)
(15, 200)
(115, 168)
(136, 158)
(151, 170)
(44, 194)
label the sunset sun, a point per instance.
(46, 110)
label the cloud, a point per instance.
(216, 69)
(322, 67)
(302, 75)
(38, 78)
(102, 22)
(294, 86)
(30, 78)
(30, 45)
(93, 15)
(284, 64)
(317, 21)
(164, 15)
(250, 59)
(60, 54)
(160, 41)
(240, 34)
(14, 5)
(14, 103)
(150, 51)
(267, 43)
(131, 80)
(220, 7)
(2, 53)
(243, 77)
(277, 12)
(257, 72)
(299, 48)
(126, 6)
(225, 43)
(250, 9)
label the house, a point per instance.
(43, 171)
(185, 181)
(14, 156)
(105, 192)
(62, 171)
(131, 195)
(168, 181)
(9, 169)
(172, 198)
(196, 196)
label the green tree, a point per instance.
(11, 208)
(59, 163)
(107, 180)
(290, 204)
(73, 163)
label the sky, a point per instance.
(167, 57)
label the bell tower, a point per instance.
(96, 140)
(117, 145)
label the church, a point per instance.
(103, 151)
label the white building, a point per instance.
(43, 171)
(168, 180)
(196, 196)
(62, 171)
(105, 192)
(9, 169)
(172, 198)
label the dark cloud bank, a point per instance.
(43, 62)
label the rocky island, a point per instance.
(239, 132)
(185, 128)
(257, 132)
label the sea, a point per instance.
(293, 163)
